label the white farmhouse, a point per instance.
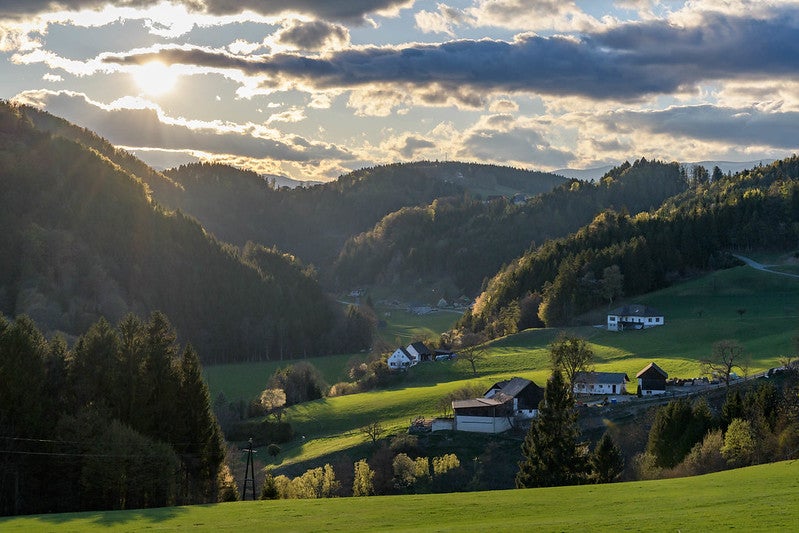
(604, 383)
(634, 316)
(400, 360)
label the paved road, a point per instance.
(754, 264)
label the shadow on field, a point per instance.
(113, 518)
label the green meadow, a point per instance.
(759, 498)
(759, 309)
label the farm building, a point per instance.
(600, 383)
(419, 352)
(505, 403)
(635, 316)
(651, 380)
(400, 359)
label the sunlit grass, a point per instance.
(760, 498)
(698, 313)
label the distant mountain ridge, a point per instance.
(313, 223)
(454, 244)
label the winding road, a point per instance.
(754, 264)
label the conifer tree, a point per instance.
(198, 440)
(552, 454)
(607, 462)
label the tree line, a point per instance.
(122, 420)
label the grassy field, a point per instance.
(760, 498)
(698, 313)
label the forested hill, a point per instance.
(313, 223)
(456, 243)
(57, 126)
(81, 240)
(622, 254)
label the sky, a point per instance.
(319, 88)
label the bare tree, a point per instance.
(727, 354)
(374, 430)
(471, 348)
(570, 354)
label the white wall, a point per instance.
(481, 424)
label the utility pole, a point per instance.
(249, 470)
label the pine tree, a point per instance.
(198, 438)
(607, 463)
(552, 454)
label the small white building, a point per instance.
(604, 383)
(400, 360)
(634, 316)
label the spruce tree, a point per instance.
(607, 462)
(552, 454)
(198, 437)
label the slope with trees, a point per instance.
(457, 242)
(691, 232)
(314, 222)
(81, 240)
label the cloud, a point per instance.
(136, 123)
(628, 62)
(741, 126)
(351, 10)
(313, 35)
(514, 144)
(413, 144)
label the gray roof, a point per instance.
(635, 310)
(600, 377)
(475, 402)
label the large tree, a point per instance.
(570, 354)
(553, 456)
(727, 355)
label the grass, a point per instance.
(759, 498)
(247, 380)
(698, 313)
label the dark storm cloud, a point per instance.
(143, 128)
(739, 126)
(626, 63)
(350, 10)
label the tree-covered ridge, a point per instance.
(81, 240)
(691, 232)
(56, 126)
(314, 222)
(458, 242)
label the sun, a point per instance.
(155, 78)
